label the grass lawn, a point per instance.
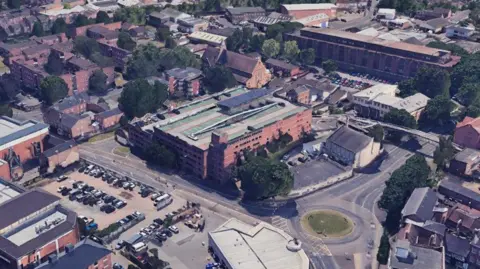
(101, 137)
(122, 151)
(327, 223)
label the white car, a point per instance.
(61, 188)
(154, 196)
(147, 230)
(174, 229)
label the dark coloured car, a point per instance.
(109, 209)
(66, 191)
(82, 169)
(86, 200)
(158, 221)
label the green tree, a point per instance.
(400, 117)
(14, 4)
(81, 20)
(407, 87)
(59, 26)
(473, 111)
(218, 78)
(455, 49)
(86, 46)
(161, 155)
(276, 31)
(437, 111)
(329, 66)
(467, 71)
(6, 110)
(52, 89)
(144, 62)
(376, 132)
(162, 34)
(97, 83)
(170, 43)
(180, 57)
(140, 97)
(469, 93)
(271, 48)
(102, 61)
(37, 29)
(67, 6)
(413, 174)
(264, 178)
(384, 249)
(235, 41)
(212, 5)
(55, 65)
(134, 15)
(432, 81)
(307, 56)
(125, 41)
(102, 17)
(444, 152)
(290, 50)
(256, 43)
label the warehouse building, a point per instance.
(239, 245)
(33, 226)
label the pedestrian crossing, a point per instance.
(318, 246)
(280, 223)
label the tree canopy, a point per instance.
(376, 132)
(240, 39)
(85, 46)
(125, 41)
(218, 78)
(384, 249)
(413, 174)
(437, 111)
(134, 15)
(329, 66)
(54, 65)
(102, 17)
(307, 56)
(97, 83)
(428, 81)
(160, 155)
(400, 117)
(140, 97)
(469, 93)
(290, 50)
(271, 48)
(264, 178)
(444, 152)
(276, 31)
(256, 43)
(37, 29)
(467, 71)
(6, 110)
(81, 20)
(59, 26)
(455, 49)
(52, 89)
(162, 34)
(14, 4)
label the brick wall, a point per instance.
(260, 76)
(25, 149)
(103, 263)
(82, 126)
(467, 136)
(109, 121)
(78, 109)
(299, 14)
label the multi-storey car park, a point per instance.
(208, 134)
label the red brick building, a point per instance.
(109, 118)
(211, 140)
(467, 133)
(299, 95)
(109, 48)
(20, 142)
(299, 11)
(282, 68)
(61, 155)
(184, 82)
(34, 226)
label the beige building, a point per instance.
(378, 100)
(351, 148)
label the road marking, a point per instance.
(318, 246)
(281, 223)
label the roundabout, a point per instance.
(327, 224)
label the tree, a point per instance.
(52, 89)
(276, 31)
(376, 132)
(180, 57)
(161, 155)
(400, 117)
(140, 97)
(271, 48)
(235, 41)
(55, 65)
(473, 111)
(444, 152)
(212, 5)
(413, 174)
(437, 111)
(384, 249)
(131, 266)
(37, 29)
(162, 34)
(81, 20)
(407, 87)
(86, 46)
(218, 78)
(455, 49)
(307, 56)
(329, 66)
(256, 43)
(264, 178)
(14, 4)
(170, 43)
(134, 15)
(467, 71)
(102, 17)
(97, 83)
(59, 26)
(432, 81)
(67, 6)
(469, 93)
(144, 62)
(290, 50)
(125, 41)
(101, 61)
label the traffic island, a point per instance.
(327, 224)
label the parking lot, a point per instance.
(185, 249)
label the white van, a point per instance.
(139, 247)
(163, 201)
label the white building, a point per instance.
(239, 245)
(386, 13)
(459, 32)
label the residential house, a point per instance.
(190, 25)
(109, 48)
(453, 190)
(239, 14)
(463, 220)
(61, 155)
(456, 251)
(406, 256)
(109, 118)
(248, 71)
(465, 163)
(467, 133)
(352, 148)
(425, 15)
(300, 95)
(435, 26)
(420, 206)
(184, 81)
(282, 68)
(455, 31)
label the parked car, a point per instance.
(60, 189)
(62, 178)
(120, 204)
(158, 221)
(110, 209)
(174, 229)
(66, 191)
(154, 196)
(120, 245)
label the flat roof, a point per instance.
(376, 90)
(11, 130)
(309, 6)
(199, 35)
(196, 125)
(257, 247)
(8, 191)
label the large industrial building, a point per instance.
(384, 58)
(33, 225)
(208, 134)
(239, 245)
(20, 142)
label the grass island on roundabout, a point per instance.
(327, 223)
